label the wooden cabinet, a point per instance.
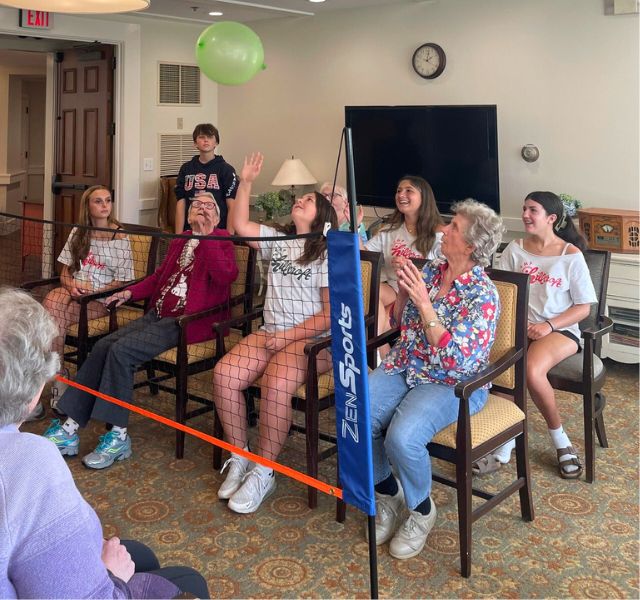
(623, 306)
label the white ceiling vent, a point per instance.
(178, 84)
(175, 149)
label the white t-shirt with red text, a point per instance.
(398, 242)
(556, 283)
(106, 262)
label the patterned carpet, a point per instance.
(582, 544)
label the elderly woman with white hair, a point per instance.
(448, 315)
(51, 540)
(195, 275)
(337, 195)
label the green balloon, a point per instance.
(229, 53)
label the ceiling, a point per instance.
(255, 10)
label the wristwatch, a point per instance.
(430, 324)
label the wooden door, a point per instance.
(85, 129)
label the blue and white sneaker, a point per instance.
(68, 444)
(110, 449)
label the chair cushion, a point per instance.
(497, 415)
(199, 351)
(571, 368)
(100, 326)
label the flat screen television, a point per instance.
(455, 148)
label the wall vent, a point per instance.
(178, 84)
(175, 149)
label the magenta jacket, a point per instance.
(214, 270)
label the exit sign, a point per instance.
(36, 19)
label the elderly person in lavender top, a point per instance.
(51, 541)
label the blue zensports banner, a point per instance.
(348, 346)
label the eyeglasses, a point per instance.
(330, 196)
(203, 204)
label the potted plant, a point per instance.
(571, 205)
(274, 204)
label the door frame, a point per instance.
(125, 36)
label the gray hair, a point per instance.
(485, 229)
(26, 360)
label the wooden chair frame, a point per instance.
(83, 342)
(464, 455)
(311, 403)
(590, 385)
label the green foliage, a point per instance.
(274, 204)
(571, 204)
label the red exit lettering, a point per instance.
(35, 19)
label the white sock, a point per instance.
(503, 454)
(561, 440)
(121, 431)
(70, 426)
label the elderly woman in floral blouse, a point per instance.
(448, 314)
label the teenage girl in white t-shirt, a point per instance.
(560, 295)
(296, 309)
(93, 261)
(414, 231)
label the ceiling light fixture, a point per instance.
(316, 0)
(215, 13)
(79, 6)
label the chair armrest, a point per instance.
(29, 285)
(196, 316)
(606, 325)
(388, 337)
(312, 349)
(219, 328)
(86, 298)
(464, 389)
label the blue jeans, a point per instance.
(403, 421)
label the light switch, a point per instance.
(148, 164)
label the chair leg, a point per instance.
(522, 471)
(463, 488)
(181, 408)
(341, 505)
(601, 432)
(311, 425)
(151, 373)
(589, 449)
(217, 433)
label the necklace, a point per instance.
(412, 230)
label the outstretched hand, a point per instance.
(116, 558)
(252, 166)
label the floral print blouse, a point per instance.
(469, 313)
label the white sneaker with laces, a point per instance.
(389, 511)
(257, 484)
(412, 535)
(237, 470)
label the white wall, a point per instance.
(141, 42)
(563, 75)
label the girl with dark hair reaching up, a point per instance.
(560, 295)
(296, 309)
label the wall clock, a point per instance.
(429, 61)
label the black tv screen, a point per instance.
(455, 148)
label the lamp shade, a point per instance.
(78, 6)
(293, 172)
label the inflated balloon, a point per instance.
(229, 53)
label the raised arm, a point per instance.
(240, 213)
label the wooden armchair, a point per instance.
(584, 373)
(188, 359)
(317, 393)
(82, 336)
(472, 437)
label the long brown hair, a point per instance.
(81, 240)
(429, 217)
(314, 247)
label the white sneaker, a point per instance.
(389, 511)
(412, 536)
(237, 469)
(257, 484)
